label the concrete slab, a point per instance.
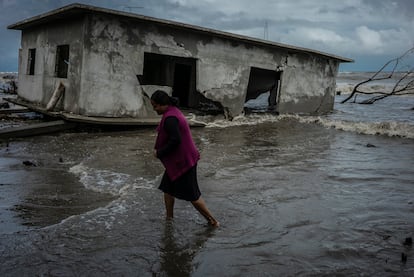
(114, 121)
(36, 129)
(12, 111)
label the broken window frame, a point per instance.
(62, 61)
(31, 61)
(269, 81)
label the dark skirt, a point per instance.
(184, 187)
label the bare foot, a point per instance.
(214, 223)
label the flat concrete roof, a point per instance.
(77, 9)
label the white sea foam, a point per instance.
(242, 120)
(106, 181)
(100, 180)
(105, 216)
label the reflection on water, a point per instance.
(292, 199)
(178, 251)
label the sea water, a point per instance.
(327, 195)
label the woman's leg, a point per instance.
(169, 205)
(201, 207)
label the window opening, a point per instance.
(62, 61)
(31, 61)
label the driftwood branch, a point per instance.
(404, 85)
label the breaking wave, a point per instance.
(391, 129)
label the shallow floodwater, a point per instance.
(295, 196)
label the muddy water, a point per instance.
(293, 199)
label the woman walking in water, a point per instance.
(176, 149)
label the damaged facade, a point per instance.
(110, 62)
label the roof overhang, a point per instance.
(77, 9)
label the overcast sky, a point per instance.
(369, 31)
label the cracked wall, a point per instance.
(308, 84)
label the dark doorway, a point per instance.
(262, 90)
(182, 78)
(176, 72)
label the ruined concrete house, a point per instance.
(110, 62)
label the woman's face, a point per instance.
(160, 109)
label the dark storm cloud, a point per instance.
(393, 7)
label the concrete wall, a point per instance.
(38, 88)
(308, 84)
(112, 59)
(31, 86)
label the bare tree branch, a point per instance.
(403, 86)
